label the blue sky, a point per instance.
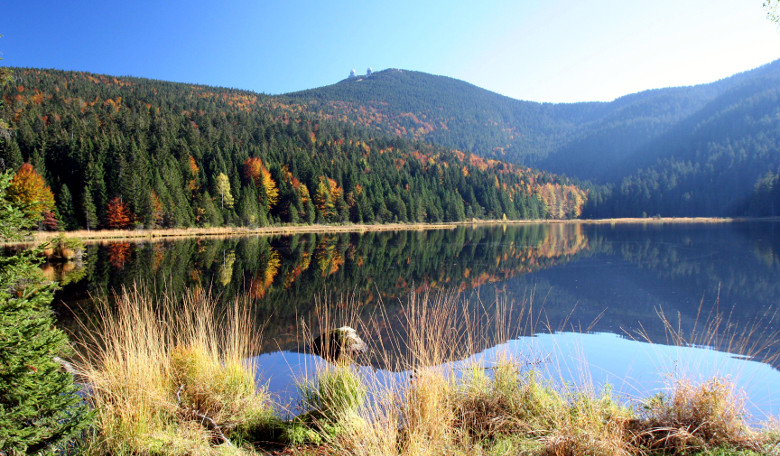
(528, 49)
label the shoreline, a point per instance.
(155, 235)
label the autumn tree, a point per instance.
(323, 199)
(252, 170)
(194, 171)
(156, 212)
(223, 189)
(28, 190)
(259, 175)
(118, 215)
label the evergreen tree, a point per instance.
(40, 410)
(88, 209)
(66, 209)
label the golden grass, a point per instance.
(152, 235)
(172, 378)
(161, 371)
(509, 408)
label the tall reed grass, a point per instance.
(171, 376)
(508, 407)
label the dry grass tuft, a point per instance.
(171, 378)
(161, 371)
(696, 417)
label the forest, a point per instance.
(393, 146)
(100, 151)
(705, 150)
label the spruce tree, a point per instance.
(66, 210)
(40, 410)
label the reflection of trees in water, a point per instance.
(714, 263)
(765, 237)
(284, 273)
(672, 267)
(119, 254)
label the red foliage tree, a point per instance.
(118, 215)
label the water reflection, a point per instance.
(633, 370)
(570, 277)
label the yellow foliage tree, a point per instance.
(28, 190)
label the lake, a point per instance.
(629, 305)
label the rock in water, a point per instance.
(339, 344)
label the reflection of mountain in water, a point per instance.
(599, 277)
(632, 271)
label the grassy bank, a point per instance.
(97, 236)
(173, 378)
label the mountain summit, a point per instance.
(672, 151)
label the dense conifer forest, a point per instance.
(706, 150)
(118, 152)
(392, 146)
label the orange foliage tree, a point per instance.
(29, 191)
(193, 184)
(252, 170)
(118, 214)
(157, 209)
(255, 171)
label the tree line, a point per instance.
(127, 152)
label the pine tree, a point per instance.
(89, 210)
(40, 410)
(67, 212)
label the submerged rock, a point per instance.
(339, 344)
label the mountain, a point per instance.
(393, 145)
(130, 152)
(709, 149)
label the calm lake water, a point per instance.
(586, 299)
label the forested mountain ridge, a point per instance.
(449, 112)
(671, 151)
(123, 152)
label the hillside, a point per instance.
(672, 151)
(394, 145)
(124, 152)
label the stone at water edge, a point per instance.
(338, 344)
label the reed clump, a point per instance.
(509, 407)
(695, 418)
(171, 377)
